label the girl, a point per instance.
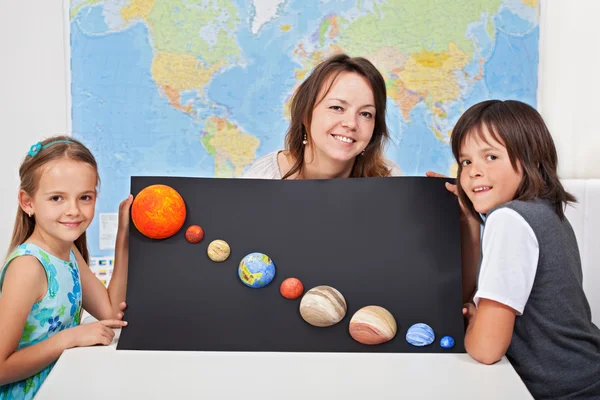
(529, 302)
(45, 281)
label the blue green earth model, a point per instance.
(256, 270)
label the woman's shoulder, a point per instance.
(266, 167)
(393, 168)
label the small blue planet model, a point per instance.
(420, 335)
(447, 342)
(256, 270)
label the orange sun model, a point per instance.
(158, 211)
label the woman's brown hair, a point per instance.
(30, 172)
(521, 129)
(304, 100)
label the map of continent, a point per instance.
(201, 88)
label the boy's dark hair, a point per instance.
(527, 140)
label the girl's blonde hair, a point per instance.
(41, 154)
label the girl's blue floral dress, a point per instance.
(59, 309)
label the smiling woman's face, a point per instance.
(343, 121)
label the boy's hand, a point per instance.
(464, 214)
(451, 188)
(469, 311)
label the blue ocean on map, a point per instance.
(136, 125)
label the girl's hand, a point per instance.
(121, 313)
(92, 334)
(124, 208)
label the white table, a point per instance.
(103, 372)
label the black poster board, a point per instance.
(392, 242)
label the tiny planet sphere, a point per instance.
(256, 270)
(323, 306)
(291, 288)
(218, 250)
(158, 211)
(194, 234)
(420, 335)
(447, 342)
(373, 325)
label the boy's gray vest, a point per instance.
(555, 347)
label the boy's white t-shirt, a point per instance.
(510, 258)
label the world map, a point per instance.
(201, 88)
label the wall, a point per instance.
(569, 83)
(34, 71)
(33, 98)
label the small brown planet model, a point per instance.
(291, 288)
(218, 250)
(194, 234)
(323, 306)
(373, 325)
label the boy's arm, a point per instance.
(489, 331)
(508, 269)
(470, 246)
(470, 243)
